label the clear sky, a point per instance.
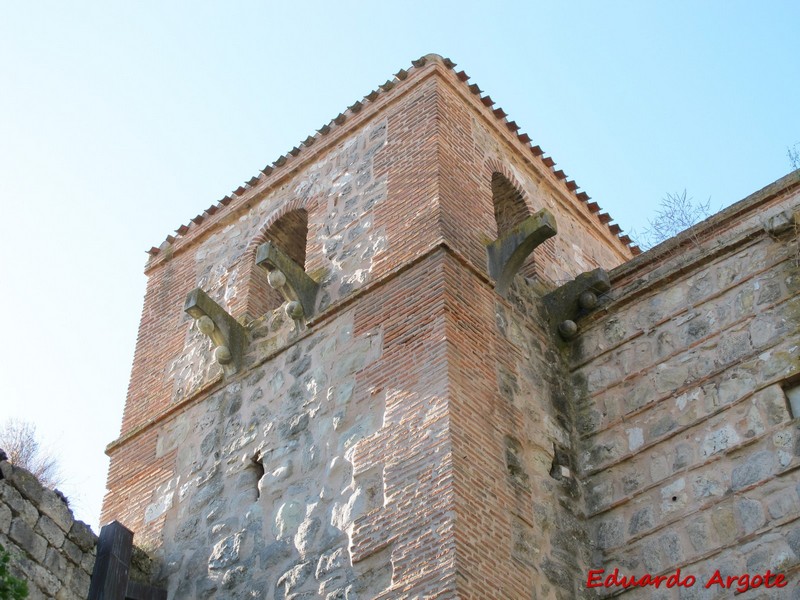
(119, 121)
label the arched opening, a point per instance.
(289, 233)
(509, 205)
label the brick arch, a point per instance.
(493, 165)
(509, 199)
(509, 205)
(519, 206)
(262, 236)
(291, 221)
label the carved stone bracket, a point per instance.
(574, 299)
(289, 279)
(508, 252)
(788, 220)
(227, 335)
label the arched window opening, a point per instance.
(289, 233)
(509, 205)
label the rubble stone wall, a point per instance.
(687, 446)
(49, 549)
(317, 472)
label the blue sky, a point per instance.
(121, 121)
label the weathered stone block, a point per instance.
(27, 484)
(19, 506)
(698, 530)
(27, 539)
(55, 508)
(782, 504)
(79, 584)
(65, 593)
(34, 593)
(610, 533)
(88, 560)
(649, 553)
(51, 532)
(293, 579)
(72, 552)
(641, 520)
(724, 523)
(772, 401)
(751, 514)
(671, 548)
(719, 440)
(755, 468)
(226, 552)
(82, 536)
(5, 518)
(57, 564)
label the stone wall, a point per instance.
(49, 549)
(687, 446)
(326, 467)
(283, 484)
(421, 435)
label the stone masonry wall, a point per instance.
(49, 549)
(688, 449)
(341, 195)
(355, 454)
(345, 190)
(283, 483)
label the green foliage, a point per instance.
(11, 588)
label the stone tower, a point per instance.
(385, 367)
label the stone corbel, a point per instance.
(574, 299)
(783, 222)
(227, 335)
(508, 252)
(289, 279)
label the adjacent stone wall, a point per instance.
(688, 450)
(49, 549)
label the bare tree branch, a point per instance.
(18, 440)
(794, 155)
(676, 213)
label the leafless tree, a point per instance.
(676, 213)
(18, 440)
(794, 155)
